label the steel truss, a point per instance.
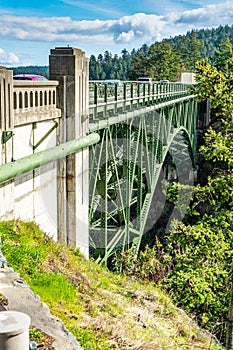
(125, 168)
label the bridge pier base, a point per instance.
(70, 67)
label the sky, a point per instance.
(30, 28)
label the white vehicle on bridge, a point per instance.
(145, 80)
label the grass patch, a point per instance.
(102, 309)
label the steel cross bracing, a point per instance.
(136, 139)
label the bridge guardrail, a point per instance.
(107, 100)
(34, 101)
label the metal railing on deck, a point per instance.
(111, 98)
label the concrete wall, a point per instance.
(55, 195)
(6, 127)
(35, 191)
(32, 196)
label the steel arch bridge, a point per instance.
(147, 133)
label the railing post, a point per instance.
(115, 97)
(149, 92)
(105, 92)
(144, 94)
(153, 93)
(116, 91)
(70, 67)
(95, 93)
(124, 95)
(138, 94)
(131, 95)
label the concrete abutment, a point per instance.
(35, 116)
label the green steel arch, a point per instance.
(136, 146)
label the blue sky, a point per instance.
(30, 28)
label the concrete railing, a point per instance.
(34, 101)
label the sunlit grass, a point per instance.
(103, 310)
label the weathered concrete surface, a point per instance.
(70, 67)
(21, 298)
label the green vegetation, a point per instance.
(102, 309)
(194, 269)
(35, 334)
(41, 70)
(194, 262)
(162, 60)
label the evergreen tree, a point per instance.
(163, 62)
(139, 66)
(223, 57)
(93, 68)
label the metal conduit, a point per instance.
(23, 165)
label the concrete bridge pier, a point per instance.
(70, 67)
(6, 132)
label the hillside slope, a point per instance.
(102, 310)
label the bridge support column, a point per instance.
(71, 68)
(6, 133)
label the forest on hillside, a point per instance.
(162, 60)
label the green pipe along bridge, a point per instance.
(147, 137)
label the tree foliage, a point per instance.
(164, 63)
(223, 56)
(195, 264)
(201, 278)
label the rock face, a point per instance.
(15, 294)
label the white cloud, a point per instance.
(204, 17)
(210, 15)
(125, 32)
(139, 26)
(7, 58)
(125, 37)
